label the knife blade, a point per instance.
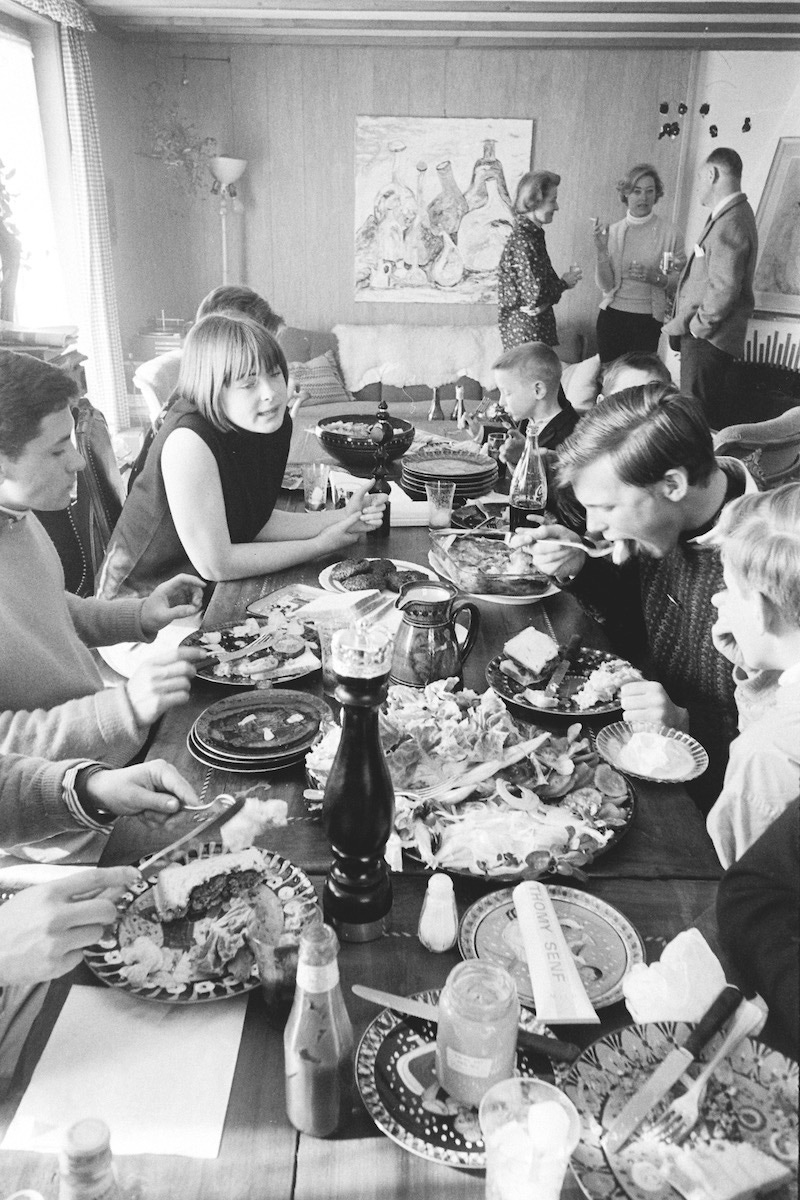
(220, 817)
(552, 1048)
(564, 663)
(670, 1071)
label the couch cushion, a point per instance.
(581, 383)
(300, 345)
(320, 378)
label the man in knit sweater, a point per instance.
(53, 701)
(642, 464)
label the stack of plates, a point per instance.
(472, 474)
(256, 732)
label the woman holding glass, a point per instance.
(638, 259)
(527, 284)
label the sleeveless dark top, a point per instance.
(145, 548)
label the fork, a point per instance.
(587, 548)
(226, 656)
(683, 1114)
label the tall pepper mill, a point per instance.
(358, 806)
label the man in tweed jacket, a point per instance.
(714, 300)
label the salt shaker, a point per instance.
(438, 920)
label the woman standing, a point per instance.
(527, 285)
(630, 260)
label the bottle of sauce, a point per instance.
(477, 1035)
(528, 491)
(85, 1165)
(438, 920)
(358, 805)
(318, 1039)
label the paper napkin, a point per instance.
(680, 986)
(159, 1075)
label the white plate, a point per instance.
(551, 591)
(330, 585)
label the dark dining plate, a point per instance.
(585, 661)
(243, 766)
(238, 724)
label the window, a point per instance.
(39, 297)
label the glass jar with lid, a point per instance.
(477, 1036)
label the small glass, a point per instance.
(576, 269)
(494, 444)
(276, 955)
(667, 262)
(440, 503)
(326, 627)
(528, 1142)
(341, 491)
(315, 485)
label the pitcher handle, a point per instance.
(473, 624)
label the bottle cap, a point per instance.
(318, 944)
(440, 884)
(86, 1139)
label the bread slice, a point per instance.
(532, 649)
(725, 1171)
(192, 889)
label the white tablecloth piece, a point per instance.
(159, 1075)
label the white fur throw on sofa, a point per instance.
(402, 355)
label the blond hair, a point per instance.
(759, 536)
(220, 349)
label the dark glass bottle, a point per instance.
(528, 491)
(381, 433)
(358, 806)
(318, 1039)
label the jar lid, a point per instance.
(481, 990)
(86, 1138)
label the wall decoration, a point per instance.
(777, 279)
(434, 205)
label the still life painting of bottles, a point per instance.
(434, 205)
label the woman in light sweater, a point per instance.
(630, 261)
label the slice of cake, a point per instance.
(190, 890)
(725, 1171)
(532, 649)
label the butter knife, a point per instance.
(564, 663)
(669, 1071)
(552, 1048)
(219, 818)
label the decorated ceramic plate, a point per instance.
(333, 585)
(495, 598)
(291, 652)
(660, 753)
(396, 1076)
(243, 766)
(259, 724)
(604, 943)
(585, 662)
(753, 1097)
(175, 976)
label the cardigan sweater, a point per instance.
(53, 702)
(609, 267)
(526, 276)
(38, 801)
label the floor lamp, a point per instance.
(226, 171)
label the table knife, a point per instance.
(552, 1048)
(564, 663)
(670, 1071)
(220, 817)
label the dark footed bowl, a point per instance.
(356, 451)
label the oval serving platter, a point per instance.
(604, 943)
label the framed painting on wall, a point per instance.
(434, 205)
(777, 278)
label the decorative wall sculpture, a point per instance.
(434, 205)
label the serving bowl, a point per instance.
(475, 563)
(356, 450)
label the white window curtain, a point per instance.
(105, 376)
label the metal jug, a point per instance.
(426, 646)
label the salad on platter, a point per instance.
(510, 801)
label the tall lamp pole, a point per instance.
(226, 172)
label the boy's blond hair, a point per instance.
(759, 536)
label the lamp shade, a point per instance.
(227, 170)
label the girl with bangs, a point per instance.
(206, 497)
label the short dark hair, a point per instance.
(531, 360)
(645, 431)
(727, 160)
(235, 298)
(533, 189)
(30, 390)
(634, 360)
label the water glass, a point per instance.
(528, 1141)
(326, 627)
(341, 491)
(315, 485)
(440, 503)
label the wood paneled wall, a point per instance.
(291, 112)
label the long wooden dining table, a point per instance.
(662, 875)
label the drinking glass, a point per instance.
(528, 1144)
(315, 485)
(326, 627)
(341, 491)
(440, 503)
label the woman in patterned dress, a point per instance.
(527, 285)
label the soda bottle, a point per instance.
(528, 491)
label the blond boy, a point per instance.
(759, 613)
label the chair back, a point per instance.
(771, 449)
(157, 380)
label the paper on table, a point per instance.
(558, 992)
(680, 986)
(406, 511)
(159, 1075)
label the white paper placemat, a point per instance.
(159, 1075)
